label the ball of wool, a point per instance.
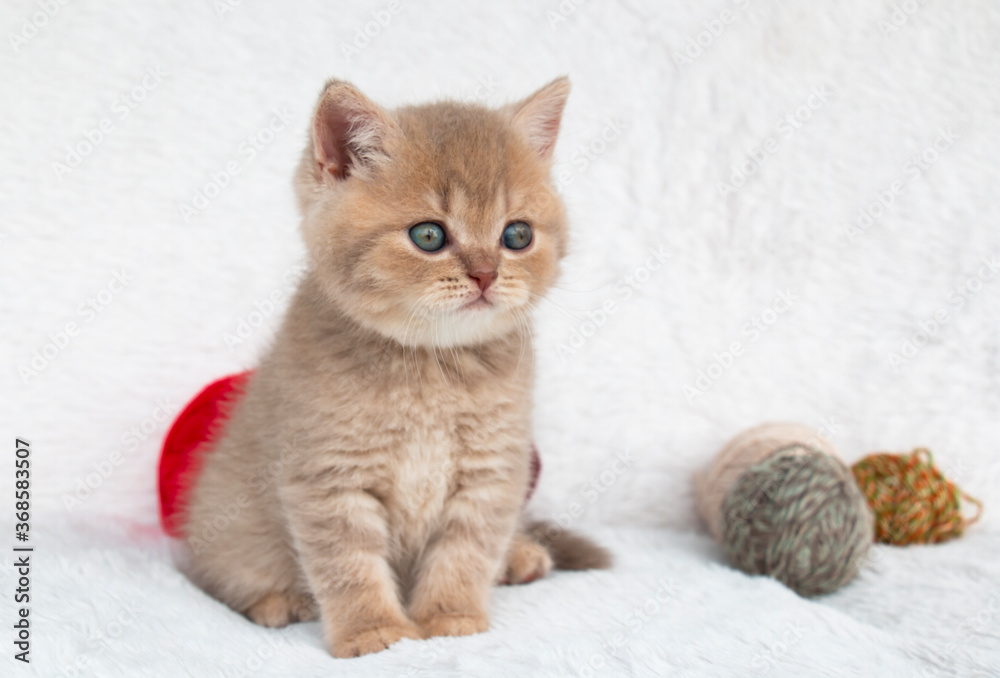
(747, 448)
(798, 516)
(913, 501)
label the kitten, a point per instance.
(387, 431)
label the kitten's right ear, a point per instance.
(349, 132)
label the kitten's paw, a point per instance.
(370, 640)
(526, 562)
(281, 609)
(454, 625)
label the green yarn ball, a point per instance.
(798, 516)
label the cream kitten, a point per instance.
(389, 426)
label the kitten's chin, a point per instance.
(472, 324)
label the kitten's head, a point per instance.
(434, 225)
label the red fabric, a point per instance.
(196, 426)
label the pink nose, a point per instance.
(484, 277)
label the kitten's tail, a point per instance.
(569, 550)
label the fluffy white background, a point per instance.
(105, 591)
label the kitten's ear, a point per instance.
(539, 115)
(349, 132)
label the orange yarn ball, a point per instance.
(912, 500)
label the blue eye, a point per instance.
(517, 235)
(428, 236)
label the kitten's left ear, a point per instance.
(539, 115)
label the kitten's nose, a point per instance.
(484, 277)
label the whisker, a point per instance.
(558, 306)
(411, 319)
(523, 329)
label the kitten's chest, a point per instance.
(422, 477)
(427, 452)
(431, 419)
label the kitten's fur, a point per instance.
(374, 472)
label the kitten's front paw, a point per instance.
(454, 625)
(372, 639)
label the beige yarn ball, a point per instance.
(746, 449)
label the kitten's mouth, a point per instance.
(478, 302)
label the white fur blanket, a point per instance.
(779, 213)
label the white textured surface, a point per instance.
(673, 132)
